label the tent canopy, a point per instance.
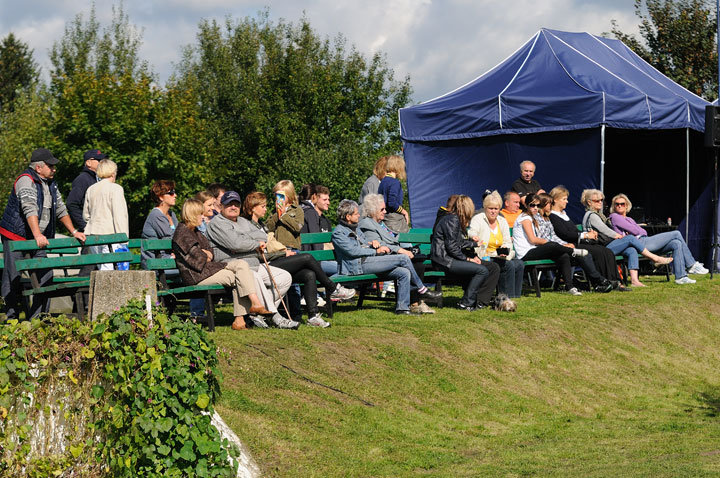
(551, 102)
(558, 81)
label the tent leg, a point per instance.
(602, 158)
(687, 183)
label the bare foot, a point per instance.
(239, 323)
(662, 261)
(637, 284)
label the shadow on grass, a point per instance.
(709, 399)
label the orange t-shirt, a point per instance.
(510, 216)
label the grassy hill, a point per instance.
(624, 384)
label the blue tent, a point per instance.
(585, 109)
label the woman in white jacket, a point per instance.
(496, 242)
(105, 209)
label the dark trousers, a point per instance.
(11, 287)
(604, 260)
(558, 253)
(479, 280)
(306, 269)
(511, 276)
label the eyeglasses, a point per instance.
(596, 200)
(172, 192)
(533, 205)
(620, 204)
(383, 210)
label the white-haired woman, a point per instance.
(105, 210)
(628, 246)
(373, 210)
(494, 233)
(672, 241)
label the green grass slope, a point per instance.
(621, 384)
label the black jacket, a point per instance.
(76, 198)
(448, 241)
(565, 230)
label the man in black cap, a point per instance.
(34, 206)
(86, 178)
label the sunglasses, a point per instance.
(172, 192)
(620, 204)
(383, 210)
(596, 200)
(534, 205)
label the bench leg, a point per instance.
(363, 291)
(209, 310)
(535, 278)
(329, 306)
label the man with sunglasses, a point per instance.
(32, 211)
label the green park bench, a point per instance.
(69, 285)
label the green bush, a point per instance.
(145, 386)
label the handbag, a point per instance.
(273, 245)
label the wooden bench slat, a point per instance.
(315, 237)
(57, 287)
(72, 261)
(31, 245)
(156, 244)
(161, 263)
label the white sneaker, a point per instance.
(698, 268)
(258, 321)
(574, 291)
(317, 321)
(342, 293)
(685, 280)
(302, 301)
(421, 308)
(283, 323)
(577, 252)
(320, 301)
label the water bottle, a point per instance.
(122, 266)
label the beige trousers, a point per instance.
(267, 293)
(237, 274)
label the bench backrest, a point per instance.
(70, 245)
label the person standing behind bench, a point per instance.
(31, 212)
(105, 210)
(397, 218)
(372, 183)
(526, 184)
(76, 197)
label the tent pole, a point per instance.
(602, 158)
(687, 182)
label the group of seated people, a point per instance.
(222, 239)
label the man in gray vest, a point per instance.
(34, 206)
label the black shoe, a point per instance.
(622, 288)
(469, 308)
(404, 312)
(431, 295)
(604, 286)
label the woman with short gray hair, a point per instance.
(374, 228)
(357, 255)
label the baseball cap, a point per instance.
(229, 197)
(42, 154)
(94, 154)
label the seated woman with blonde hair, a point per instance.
(672, 241)
(494, 233)
(194, 259)
(628, 246)
(288, 218)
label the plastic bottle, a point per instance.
(123, 266)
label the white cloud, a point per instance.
(441, 45)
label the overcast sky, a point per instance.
(440, 44)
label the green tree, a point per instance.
(18, 70)
(104, 97)
(679, 40)
(22, 129)
(284, 103)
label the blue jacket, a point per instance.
(350, 249)
(392, 191)
(13, 224)
(375, 231)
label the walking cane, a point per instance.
(267, 266)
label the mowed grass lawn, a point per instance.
(619, 384)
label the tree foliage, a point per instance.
(285, 103)
(104, 97)
(678, 40)
(18, 70)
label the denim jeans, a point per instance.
(479, 280)
(397, 267)
(329, 267)
(511, 276)
(630, 247)
(671, 241)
